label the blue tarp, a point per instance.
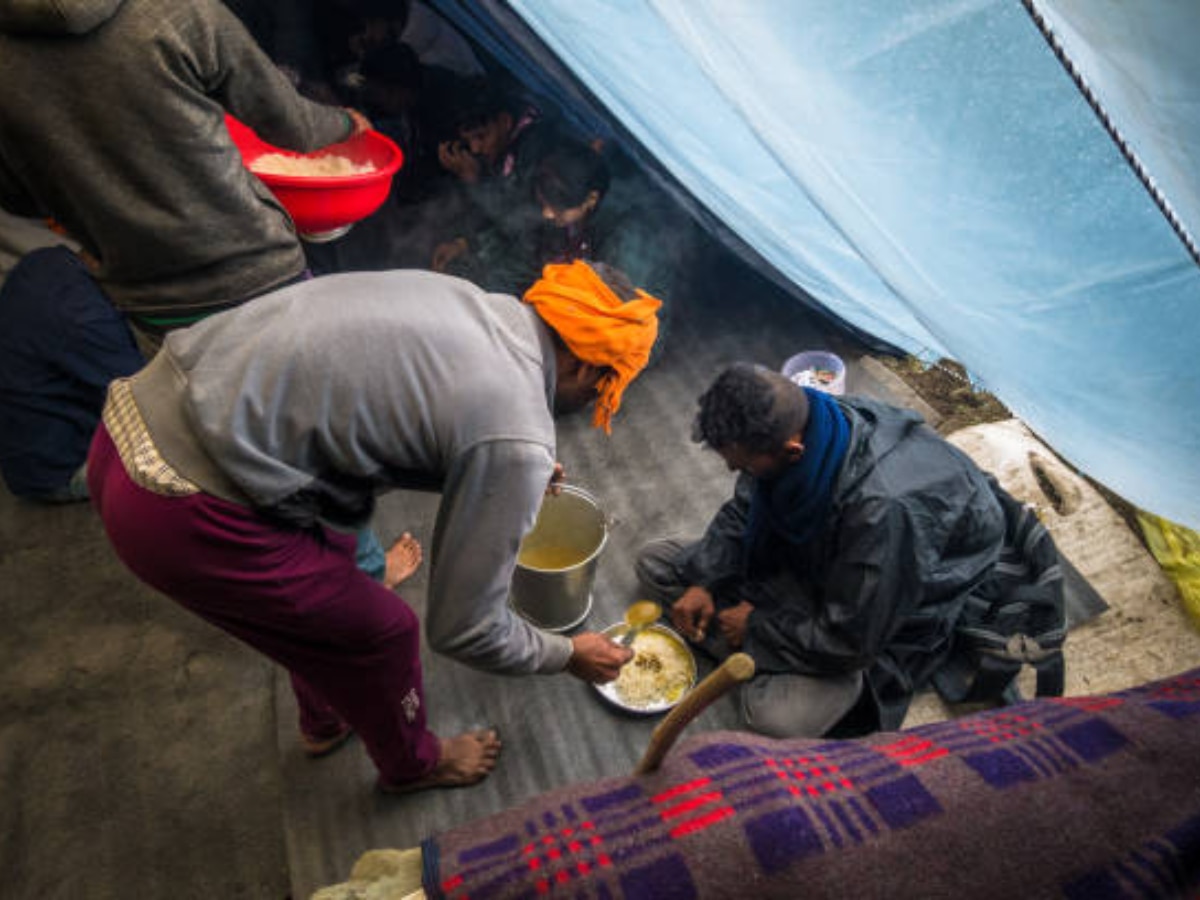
(1010, 185)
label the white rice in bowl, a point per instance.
(328, 165)
(659, 672)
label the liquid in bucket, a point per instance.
(556, 564)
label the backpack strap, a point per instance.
(971, 678)
(1021, 650)
(1015, 618)
(985, 666)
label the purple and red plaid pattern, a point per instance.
(738, 814)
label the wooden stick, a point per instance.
(737, 668)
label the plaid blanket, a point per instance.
(1087, 798)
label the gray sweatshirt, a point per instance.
(112, 122)
(308, 402)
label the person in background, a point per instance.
(501, 137)
(841, 563)
(438, 43)
(61, 343)
(231, 472)
(324, 44)
(112, 123)
(409, 102)
(578, 207)
(344, 32)
(284, 29)
(591, 210)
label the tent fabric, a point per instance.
(932, 173)
(1142, 58)
(518, 51)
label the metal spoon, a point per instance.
(639, 615)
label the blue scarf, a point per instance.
(795, 504)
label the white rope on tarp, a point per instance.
(1123, 145)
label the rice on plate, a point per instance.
(660, 673)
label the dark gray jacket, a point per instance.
(913, 529)
(112, 122)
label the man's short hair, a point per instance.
(618, 282)
(479, 102)
(751, 407)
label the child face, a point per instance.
(489, 140)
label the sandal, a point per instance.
(318, 747)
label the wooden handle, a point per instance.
(737, 668)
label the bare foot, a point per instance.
(466, 759)
(401, 560)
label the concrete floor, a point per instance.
(137, 744)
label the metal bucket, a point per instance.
(556, 565)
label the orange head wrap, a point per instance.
(597, 327)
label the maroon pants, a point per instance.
(350, 644)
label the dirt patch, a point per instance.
(946, 387)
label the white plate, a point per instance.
(609, 691)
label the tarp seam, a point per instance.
(1110, 127)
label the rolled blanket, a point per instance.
(1079, 798)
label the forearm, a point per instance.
(253, 89)
(490, 501)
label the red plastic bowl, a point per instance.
(323, 207)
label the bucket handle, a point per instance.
(610, 521)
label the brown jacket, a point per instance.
(112, 122)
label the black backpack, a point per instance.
(1014, 618)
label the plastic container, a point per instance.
(818, 369)
(324, 207)
(556, 565)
